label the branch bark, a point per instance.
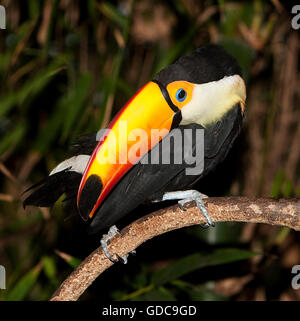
(283, 212)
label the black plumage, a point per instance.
(205, 64)
(48, 191)
(85, 145)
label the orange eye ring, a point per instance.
(180, 92)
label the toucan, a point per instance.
(111, 172)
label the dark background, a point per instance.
(66, 68)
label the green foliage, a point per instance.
(196, 261)
(71, 260)
(175, 271)
(282, 187)
(24, 285)
(66, 70)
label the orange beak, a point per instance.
(139, 126)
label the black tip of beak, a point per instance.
(89, 196)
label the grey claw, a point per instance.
(181, 206)
(121, 259)
(111, 259)
(197, 197)
(124, 259)
(107, 237)
(205, 225)
(188, 196)
(133, 252)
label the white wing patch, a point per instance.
(76, 164)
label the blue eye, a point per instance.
(180, 95)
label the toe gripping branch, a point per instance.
(183, 197)
(188, 196)
(113, 231)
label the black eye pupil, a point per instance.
(181, 94)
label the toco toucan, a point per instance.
(113, 171)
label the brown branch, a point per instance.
(284, 212)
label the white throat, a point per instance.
(211, 101)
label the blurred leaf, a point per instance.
(19, 224)
(51, 130)
(12, 138)
(196, 261)
(50, 269)
(157, 294)
(33, 8)
(71, 260)
(233, 15)
(241, 51)
(24, 33)
(288, 188)
(138, 293)
(203, 292)
(73, 103)
(31, 88)
(113, 14)
(222, 233)
(4, 62)
(277, 183)
(24, 285)
(141, 278)
(173, 53)
(282, 234)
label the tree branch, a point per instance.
(284, 212)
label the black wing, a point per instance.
(48, 191)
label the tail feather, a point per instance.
(34, 186)
(65, 178)
(49, 190)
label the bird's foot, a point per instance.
(113, 231)
(188, 196)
